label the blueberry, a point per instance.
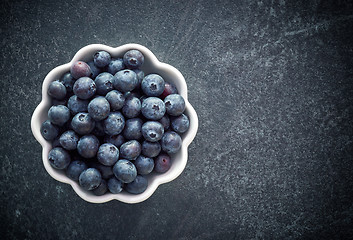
(87, 146)
(169, 88)
(133, 59)
(59, 115)
(84, 88)
(114, 185)
(101, 189)
(77, 105)
(116, 140)
(125, 171)
(153, 108)
(140, 75)
(162, 163)
(171, 142)
(165, 121)
(48, 130)
(132, 107)
(130, 150)
(94, 69)
(152, 85)
(152, 131)
(106, 171)
(180, 124)
(174, 104)
(125, 80)
(150, 149)
(57, 90)
(99, 108)
(114, 123)
(108, 154)
(68, 80)
(116, 100)
(59, 158)
(132, 129)
(69, 140)
(115, 66)
(80, 69)
(75, 168)
(90, 179)
(104, 83)
(82, 123)
(144, 165)
(139, 185)
(101, 59)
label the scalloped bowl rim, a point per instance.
(156, 180)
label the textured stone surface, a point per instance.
(271, 81)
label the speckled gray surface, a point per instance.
(271, 81)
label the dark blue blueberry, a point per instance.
(171, 142)
(75, 168)
(82, 123)
(99, 108)
(80, 69)
(162, 163)
(104, 83)
(48, 130)
(115, 66)
(114, 123)
(130, 150)
(174, 104)
(169, 88)
(116, 100)
(132, 129)
(101, 189)
(180, 124)
(125, 171)
(150, 149)
(94, 69)
(144, 165)
(125, 80)
(68, 80)
(106, 171)
(140, 75)
(84, 88)
(99, 129)
(101, 59)
(116, 140)
(57, 90)
(165, 121)
(88, 146)
(90, 179)
(59, 158)
(133, 59)
(69, 140)
(139, 185)
(153, 108)
(132, 107)
(152, 85)
(152, 131)
(59, 115)
(108, 154)
(77, 105)
(114, 185)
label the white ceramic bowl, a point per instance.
(151, 65)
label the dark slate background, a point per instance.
(271, 81)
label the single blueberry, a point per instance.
(132, 129)
(90, 179)
(108, 154)
(82, 123)
(169, 88)
(75, 168)
(114, 123)
(152, 131)
(80, 69)
(152, 85)
(57, 90)
(84, 88)
(101, 59)
(88, 146)
(180, 124)
(150, 149)
(59, 158)
(59, 115)
(116, 100)
(125, 171)
(116, 140)
(171, 142)
(77, 105)
(115, 185)
(68, 80)
(139, 185)
(125, 80)
(174, 104)
(69, 140)
(153, 108)
(133, 59)
(101, 189)
(132, 107)
(144, 165)
(104, 83)
(130, 150)
(48, 130)
(99, 108)
(115, 66)
(162, 163)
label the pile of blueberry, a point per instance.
(110, 125)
